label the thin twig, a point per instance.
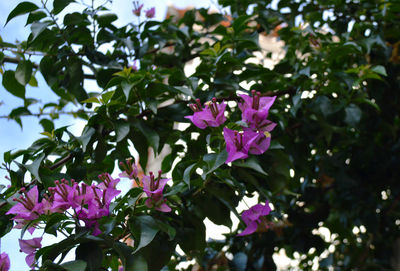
(61, 162)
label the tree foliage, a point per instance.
(334, 154)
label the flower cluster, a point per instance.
(212, 114)
(254, 218)
(150, 13)
(152, 186)
(254, 139)
(84, 203)
(88, 202)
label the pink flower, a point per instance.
(65, 195)
(131, 170)
(28, 206)
(108, 181)
(261, 143)
(253, 216)
(154, 190)
(255, 111)
(211, 115)
(4, 262)
(137, 9)
(238, 144)
(30, 247)
(99, 203)
(27, 209)
(151, 12)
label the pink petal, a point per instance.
(251, 228)
(30, 259)
(163, 208)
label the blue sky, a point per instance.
(11, 135)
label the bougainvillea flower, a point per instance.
(108, 181)
(66, 195)
(255, 108)
(28, 206)
(30, 247)
(103, 197)
(150, 12)
(137, 9)
(238, 144)
(153, 187)
(91, 215)
(211, 115)
(253, 216)
(4, 262)
(130, 169)
(261, 143)
(261, 125)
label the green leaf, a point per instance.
(214, 209)
(106, 19)
(214, 161)
(34, 167)
(144, 230)
(251, 163)
(6, 225)
(152, 137)
(107, 96)
(59, 5)
(167, 229)
(240, 23)
(379, 69)
(24, 72)
(91, 100)
(141, 145)
(75, 18)
(353, 115)
(53, 223)
(7, 157)
(75, 265)
(191, 236)
(107, 224)
(84, 139)
(20, 9)
(74, 79)
(33, 82)
(136, 263)
(186, 174)
(34, 16)
(100, 151)
(130, 261)
(92, 254)
(37, 28)
(126, 88)
(12, 85)
(122, 130)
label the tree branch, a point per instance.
(235, 98)
(61, 162)
(15, 60)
